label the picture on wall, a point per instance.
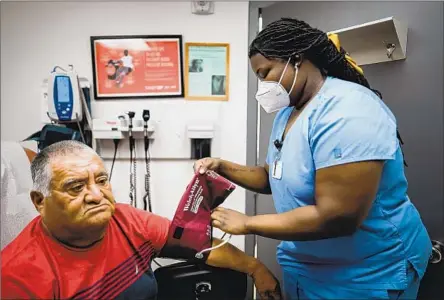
(207, 71)
(137, 66)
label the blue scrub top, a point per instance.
(344, 123)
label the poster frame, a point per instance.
(227, 72)
(179, 38)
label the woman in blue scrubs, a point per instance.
(335, 170)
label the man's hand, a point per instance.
(266, 284)
(230, 221)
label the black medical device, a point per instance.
(147, 196)
(52, 133)
(190, 281)
(132, 146)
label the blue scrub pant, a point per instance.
(299, 287)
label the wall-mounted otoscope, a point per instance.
(132, 146)
(147, 196)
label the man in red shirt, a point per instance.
(85, 245)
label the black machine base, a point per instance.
(191, 281)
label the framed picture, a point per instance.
(207, 71)
(137, 66)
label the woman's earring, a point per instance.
(298, 60)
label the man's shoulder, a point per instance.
(126, 214)
(24, 253)
(26, 270)
(128, 217)
(131, 214)
(123, 209)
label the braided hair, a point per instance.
(287, 37)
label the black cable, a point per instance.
(132, 172)
(132, 193)
(159, 265)
(147, 196)
(116, 145)
(147, 180)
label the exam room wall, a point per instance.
(37, 36)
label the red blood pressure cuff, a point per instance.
(190, 231)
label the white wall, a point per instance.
(37, 36)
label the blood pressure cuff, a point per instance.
(190, 231)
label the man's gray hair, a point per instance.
(41, 165)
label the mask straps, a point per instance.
(296, 69)
(295, 74)
(199, 255)
(285, 69)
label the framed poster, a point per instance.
(207, 71)
(137, 66)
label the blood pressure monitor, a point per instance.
(64, 102)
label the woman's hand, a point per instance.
(205, 164)
(251, 178)
(230, 221)
(266, 284)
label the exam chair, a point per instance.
(17, 209)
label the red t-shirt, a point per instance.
(35, 265)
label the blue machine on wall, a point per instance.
(68, 107)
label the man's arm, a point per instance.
(230, 257)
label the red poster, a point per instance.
(137, 67)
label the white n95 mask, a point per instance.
(272, 96)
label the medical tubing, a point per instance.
(199, 255)
(80, 129)
(116, 145)
(57, 67)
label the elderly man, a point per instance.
(85, 245)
